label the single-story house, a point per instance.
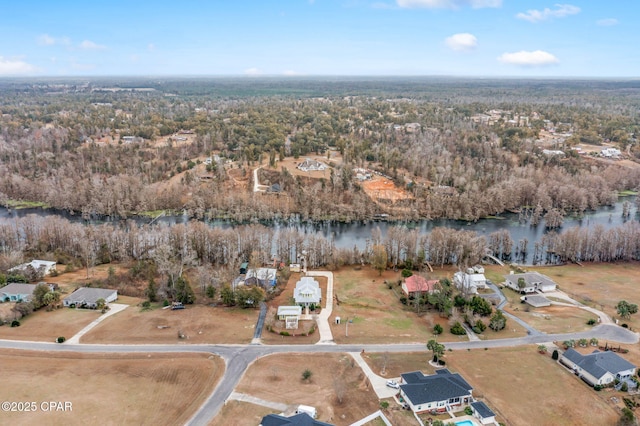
(483, 413)
(87, 297)
(291, 315)
(415, 284)
(536, 301)
(46, 265)
(440, 392)
(16, 292)
(530, 282)
(309, 165)
(264, 277)
(598, 368)
(307, 292)
(470, 281)
(300, 419)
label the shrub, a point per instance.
(555, 355)
(146, 304)
(403, 300)
(61, 339)
(384, 404)
(597, 388)
(437, 329)
(15, 323)
(458, 329)
(165, 302)
(306, 374)
(624, 387)
(468, 411)
(442, 362)
(285, 333)
(625, 325)
(406, 273)
(591, 321)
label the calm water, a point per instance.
(348, 235)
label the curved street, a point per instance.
(239, 357)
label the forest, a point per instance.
(96, 147)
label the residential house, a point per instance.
(598, 368)
(264, 277)
(46, 266)
(483, 413)
(290, 315)
(310, 165)
(307, 292)
(531, 282)
(87, 297)
(470, 281)
(440, 392)
(415, 284)
(610, 152)
(15, 292)
(300, 419)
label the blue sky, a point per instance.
(581, 38)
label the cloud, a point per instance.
(448, 4)
(609, 22)
(47, 40)
(252, 71)
(15, 67)
(462, 42)
(537, 58)
(89, 45)
(151, 47)
(561, 11)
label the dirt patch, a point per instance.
(398, 363)
(46, 326)
(510, 379)
(250, 414)
(108, 389)
(382, 189)
(199, 324)
(278, 378)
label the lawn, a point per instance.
(47, 326)
(250, 414)
(108, 389)
(278, 378)
(375, 313)
(521, 386)
(199, 324)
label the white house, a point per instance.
(483, 413)
(46, 266)
(531, 282)
(470, 281)
(610, 152)
(598, 368)
(307, 292)
(87, 297)
(310, 165)
(290, 314)
(440, 392)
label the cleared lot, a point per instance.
(47, 326)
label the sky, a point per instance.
(483, 38)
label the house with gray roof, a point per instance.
(302, 419)
(16, 292)
(87, 297)
(483, 413)
(598, 368)
(440, 392)
(532, 282)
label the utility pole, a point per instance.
(346, 332)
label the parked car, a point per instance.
(177, 305)
(393, 384)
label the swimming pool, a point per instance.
(465, 423)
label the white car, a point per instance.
(393, 384)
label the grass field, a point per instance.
(278, 378)
(250, 414)
(524, 387)
(200, 324)
(47, 326)
(142, 389)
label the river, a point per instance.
(348, 235)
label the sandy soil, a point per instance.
(141, 389)
(46, 326)
(200, 324)
(380, 188)
(278, 378)
(245, 412)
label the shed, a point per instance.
(536, 301)
(483, 413)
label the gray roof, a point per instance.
(482, 409)
(598, 363)
(89, 295)
(16, 288)
(438, 387)
(536, 300)
(530, 278)
(302, 419)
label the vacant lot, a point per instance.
(199, 324)
(242, 413)
(47, 326)
(375, 313)
(379, 188)
(108, 389)
(522, 387)
(398, 363)
(600, 285)
(278, 378)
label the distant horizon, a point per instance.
(288, 38)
